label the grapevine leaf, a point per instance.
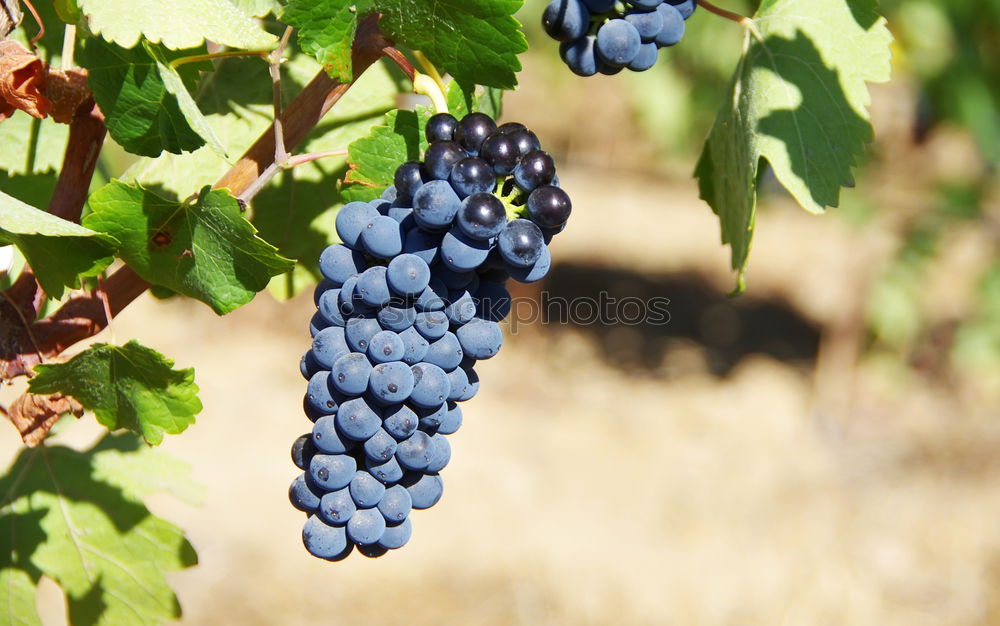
(131, 387)
(476, 41)
(42, 143)
(59, 251)
(373, 159)
(67, 10)
(798, 100)
(177, 24)
(204, 249)
(326, 31)
(67, 516)
(145, 102)
(463, 100)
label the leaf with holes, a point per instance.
(373, 159)
(59, 251)
(798, 101)
(131, 387)
(204, 249)
(78, 519)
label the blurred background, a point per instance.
(824, 449)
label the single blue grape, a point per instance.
(647, 23)
(329, 345)
(550, 206)
(482, 216)
(432, 325)
(501, 152)
(472, 388)
(303, 495)
(440, 453)
(372, 287)
(536, 272)
(458, 379)
(352, 219)
(409, 177)
(389, 472)
(414, 345)
(461, 307)
(618, 42)
(413, 453)
(425, 489)
(391, 383)
(323, 285)
(430, 385)
(396, 535)
(321, 395)
(408, 275)
(673, 25)
(329, 308)
(395, 504)
(383, 237)
(461, 253)
(521, 243)
(396, 318)
(338, 263)
(385, 347)
(380, 446)
(646, 58)
(389, 194)
(535, 169)
(446, 352)
(480, 339)
(472, 131)
(439, 159)
(566, 20)
(423, 244)
(365, 526)
(349, 374)
(326, 438)
(366, 490)
(357, 420)
(400, 422)
(308, 365)
(472, 175)
(303, 450)
(359, 332)
(685, 7)
(441, 127)
(435, 205)
(337, 507)
(580, 55)
(332, 471)
(452, 419)
(317, 323)
(325, 541)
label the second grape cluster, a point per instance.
(606, 36)
(409, 302)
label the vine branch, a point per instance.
(742, 20)
(85, 315)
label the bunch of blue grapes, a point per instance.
(410, 300)
(606, 36)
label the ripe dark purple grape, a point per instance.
(441, 127)
(472, 175)
(473, 130)
(501, 152)
(440, 157)
(408, 178)
(521, 243)
(549, 206)
(535, 169)
(526, 141)
(482, 216)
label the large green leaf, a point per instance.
(798, 101)
(476, 41)
(78, 519)
(59, 251)
(204, 249)
(145, 101)
(131, 387)
(374, 159)
(176, 24)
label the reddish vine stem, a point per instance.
(742, 20)
(400, 60)
(86, 136)
(84, 315)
